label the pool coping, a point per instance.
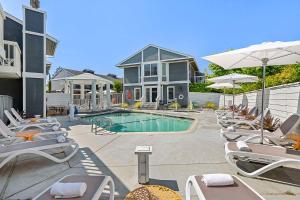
(190, 130)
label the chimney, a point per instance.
(35, 3)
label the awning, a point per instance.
(51, 44)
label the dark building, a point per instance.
(23, 65)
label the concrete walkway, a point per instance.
(175, 157)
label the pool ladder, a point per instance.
(96, 126)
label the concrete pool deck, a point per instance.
(175, 157)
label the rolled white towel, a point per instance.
(55, 128)
(68, 190)
(231, 129)
(61, 139)
(217, 179)
(242, 146)
(224, 117)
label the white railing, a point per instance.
(142, 99)
(12, 61)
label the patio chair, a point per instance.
(253, 124)
(228, 116)
(9, 135)
(40, 120)
(272, 156)
(273, 137)
(239, 190)
(14, 124)
(95, 187)
(39, 147)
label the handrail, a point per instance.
(15, 59)
(142, 101)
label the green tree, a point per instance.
(117, 86)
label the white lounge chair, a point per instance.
(39, 147)
(14, 124)
(95, 187)
(272, 156)
(274, 137)
(239, 191)
(236, 123)
(39, 120)
(9, 135)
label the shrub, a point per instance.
(138, 105)
(174, 105)
(124, 105)
(211, 105)
(271, 123)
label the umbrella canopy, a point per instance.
(264, 54)
(224, 86)
(234, 78)
(270, 53)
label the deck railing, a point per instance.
(11, 64)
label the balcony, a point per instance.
(10, 66)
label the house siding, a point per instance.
(34, 21)
(131, 75)
(166, 55)
(13, 88)
(34, 53)
(131, 90)
(34, 101)
(178, 71)
(150, 79)
(134, 59)
(180, 89)
(150, 54)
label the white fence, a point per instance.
(6, 102)
(282, 100)
(58, 99)
(202, 98)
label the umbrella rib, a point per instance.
(246, 55)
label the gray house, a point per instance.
(158, 74)
(23, 66)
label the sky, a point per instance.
(98, 34)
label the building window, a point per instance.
(164, 69)
(137, 94)
(76, 91)
(171, 93)
(150, 69)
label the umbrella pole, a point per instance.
(224, 98)
(233, 107)
(264, 64)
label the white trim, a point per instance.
(24, 61)
(132, 84)
(35, 33)
(33, 75)
(155, 46)
(13, 18)
(150, 87)
(134, 93)
(168, 87)
(151, 63)
(34, 9)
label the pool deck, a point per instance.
(175, 157)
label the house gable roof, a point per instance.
(72, 72)
(164, 54)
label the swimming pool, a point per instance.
(141, 122)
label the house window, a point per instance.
(150, 69)
(76, 91)
(164, 69)
(137, 94)
(171, 93)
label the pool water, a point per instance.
(141, 122)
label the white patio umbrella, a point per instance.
(233, 79)
(224, 86)
(264, 54)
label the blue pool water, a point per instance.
(140, 122)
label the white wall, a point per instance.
(203, 98)
(281, 100)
